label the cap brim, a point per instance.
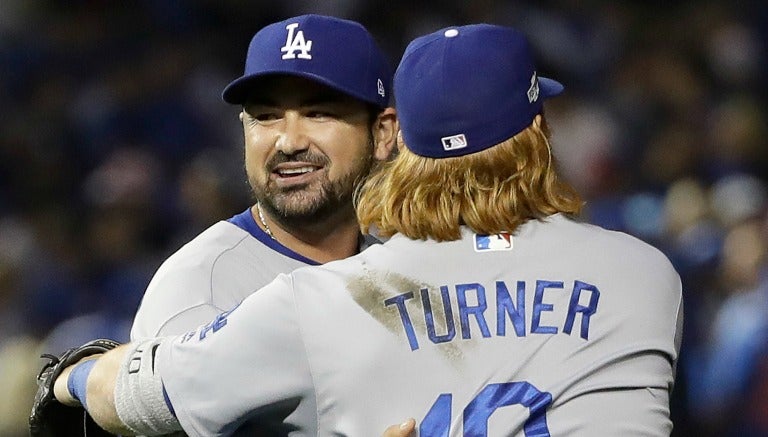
(550, 87)
(234, 93)
(237, 91)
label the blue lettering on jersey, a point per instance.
(188, 336)
(404, 317)
(429, 317)
(586, 311)
(466, 310)
(505, 306)
(442, 329)
(539, 306)
(217, 323)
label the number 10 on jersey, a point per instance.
(437, 423)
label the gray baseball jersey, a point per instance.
(561, 329)
(210, 274)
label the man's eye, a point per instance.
(319, 114)
(265, 116)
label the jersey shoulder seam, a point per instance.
(210, 301)
(182, 311)
(216, 260)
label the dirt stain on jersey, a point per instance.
(372, 288)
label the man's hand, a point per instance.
(54, 411)
(402, 430)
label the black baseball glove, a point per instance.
(50, 418)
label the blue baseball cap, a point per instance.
(464, 89)
(340, 54)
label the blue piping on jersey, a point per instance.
(168, 402)
(246, 222)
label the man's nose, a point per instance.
(293, 137)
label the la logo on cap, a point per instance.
(454, 142)
(296, 43)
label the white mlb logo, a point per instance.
(454, 142)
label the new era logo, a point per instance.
(533, 90)
(294, 43)
(454, 142)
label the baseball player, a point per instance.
(490, 306)
(315, 97)
(313, 124)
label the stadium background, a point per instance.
(115, 148)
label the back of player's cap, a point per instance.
(463, 89)
(340, 54)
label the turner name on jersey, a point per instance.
(498, 309)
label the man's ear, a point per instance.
(384, 132)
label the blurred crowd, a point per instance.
(115, 149)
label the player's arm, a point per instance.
(175, 302)
(95, 388)
(120, 391)
(162, 319)
(123, 380)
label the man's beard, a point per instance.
(310, 204)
